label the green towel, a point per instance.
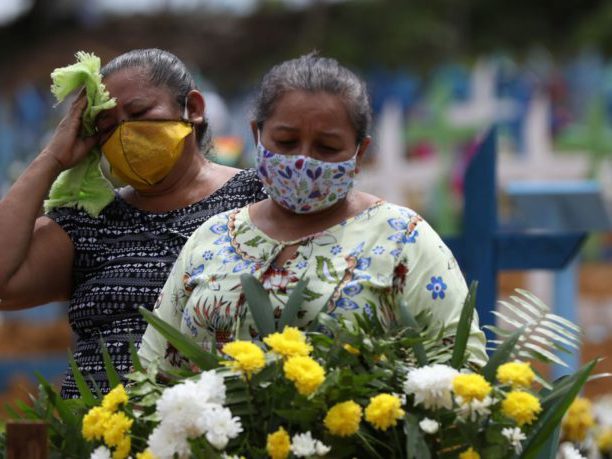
(83, 186)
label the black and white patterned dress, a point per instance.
(121, 262)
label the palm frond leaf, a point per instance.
(545, 335)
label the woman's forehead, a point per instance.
(295, 108)
(130, 80)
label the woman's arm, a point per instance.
(169, 307)
(434, 285)
(35, 253)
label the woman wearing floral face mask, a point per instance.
(109, 265)
(358, 252)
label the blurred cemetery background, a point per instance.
(440, 74)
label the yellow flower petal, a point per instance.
(383, 411)
(278, 444)
(343, 419)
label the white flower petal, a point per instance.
(431, 385)
(429, 426)
(101, 452)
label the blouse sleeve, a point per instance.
(434, 284)
(169, 307)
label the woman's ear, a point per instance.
(363, 146)
(195, 106)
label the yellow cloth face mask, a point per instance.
(142, 153)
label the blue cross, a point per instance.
(483, 250)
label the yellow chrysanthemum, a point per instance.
(289, 343)
(578, 420)
(248, 357)
(278, 444)
(350, 349)
(517, 374)
(471, 387)
(521, 406)
(123, 448)
(94, 423)
(114, 398)
(604, 440)
(469, 454)
(117, 425)
(305, 372)
(343, 419)
(147, 454)
(383, 411)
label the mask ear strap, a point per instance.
(185, 112)
(357, 149)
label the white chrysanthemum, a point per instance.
(471, 410)
(164, 443)
(219, 425)
(515, 436)
(429, 426)
(303, 445)
(431, 385)
(101, 452)
(192, 409)
(211, 387)
(179, 407)
(567, 451)
(227, 456)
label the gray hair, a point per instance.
(314, 73)
(164, 69)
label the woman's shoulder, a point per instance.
(390, 223)
(216, 229)
(75, 215)
(387, 214)
(245, 180)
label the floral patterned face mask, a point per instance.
(303, 184)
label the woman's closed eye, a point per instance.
(138, 113)
(329, 149)
(286, 143)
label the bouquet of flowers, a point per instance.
(341, 389)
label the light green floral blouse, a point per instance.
(365, 263)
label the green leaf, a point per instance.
(11, 411)
(111, 373)
(416, 447)
(136, 363)
(501, 355)
(328, 322)
(61, 405)
(554, 412)
(463, 327)
(316, 321)
(304, 415)
(550, 448)
(295, 301)
(413, 331)
(184, 344)
(259, 304)
(86, 393)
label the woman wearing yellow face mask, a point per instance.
(110, 265)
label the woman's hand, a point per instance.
(66, 147)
